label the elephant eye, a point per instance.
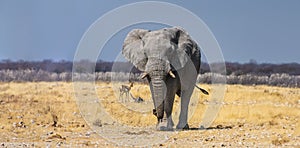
(174, 40)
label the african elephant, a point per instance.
(170, 60)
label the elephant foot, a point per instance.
(186, 127)
(164, 126)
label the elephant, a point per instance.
(170, 60)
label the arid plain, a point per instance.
(40, 114)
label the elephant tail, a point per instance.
(202, 90)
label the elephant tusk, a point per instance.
(143, 75)
(171, 74)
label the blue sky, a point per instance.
(267, 31)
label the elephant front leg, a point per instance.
(161, 118)
(185, 100)
(168, 110)
(164, 118)
(165, 121)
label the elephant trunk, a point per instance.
(158, 96)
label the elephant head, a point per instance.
(172, 45)
(160, 54)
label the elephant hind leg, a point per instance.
(185, 100)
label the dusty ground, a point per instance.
(46, 114)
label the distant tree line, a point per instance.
(48, 70)
(64, 66)
(263, 69)
(45, 65)
(284, 80)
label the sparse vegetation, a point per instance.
(257, 115)
(283, 80)
(285, 75)
(38, 108)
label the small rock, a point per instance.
(19, 124)
(56, 136)
(88, 143)
(88, 134)
(50, 133)
(19, 117)
(14, 124)
(97, 123)
(59, 144)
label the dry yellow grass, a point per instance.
(46, 113)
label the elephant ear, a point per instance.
(133, 48)
(186, 50)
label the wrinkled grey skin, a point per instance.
(157, 53)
